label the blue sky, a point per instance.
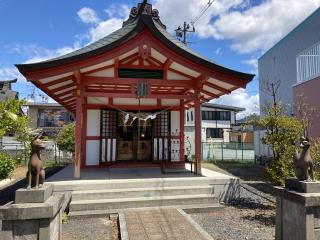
(233, 33)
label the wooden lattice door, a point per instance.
(161, 136)
(108, 143)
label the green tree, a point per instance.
(7, 165)
(281, 132)
(66, 138)
(13, 120)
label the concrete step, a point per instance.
(194, 208)
(176, 170)
(140, 192)
(78, 185)
(106, 204)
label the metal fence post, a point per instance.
(202, 152)
(242, 150)
(222, 158)
(236, 151)
(55, 152)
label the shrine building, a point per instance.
(129, 92)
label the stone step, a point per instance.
(140, 192)
(122, 203)
(175, 170)
(78, 185)
(194, 208)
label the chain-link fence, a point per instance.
(50, 155)
(239, 152)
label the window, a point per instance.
(216, 115)
(161, 126)
(224, 116)
(214, 133)
(52, 118)
(188, 117)
(191, 116)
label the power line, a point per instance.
(202, 12)
(181, 32)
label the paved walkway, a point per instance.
(162, 224)
(129, 173)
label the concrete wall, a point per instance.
(309, 90)
(33, 117)
(259, 148)
(246, 137)
(279, 63)
(175, 122)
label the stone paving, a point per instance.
(160, 224)
(87, 228)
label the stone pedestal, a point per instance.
(35, 215)
(298, 211)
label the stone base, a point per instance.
(32, 195)
(29, 218)
(302, 186)
(32, 229)
(298, 211)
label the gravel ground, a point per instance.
(87, 228)
(252, 216)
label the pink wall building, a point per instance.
(310, 90)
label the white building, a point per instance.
(217, 121)
(279, 63)
(293, 60)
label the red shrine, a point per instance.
(129, 91)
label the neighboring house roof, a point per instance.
(303, 24)
(6, 89)
(137, 22)
(7, 83)
(36, 104)
(223, 107)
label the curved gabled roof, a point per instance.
(133, 26)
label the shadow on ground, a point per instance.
(261, 212)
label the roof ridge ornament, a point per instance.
(144, 8)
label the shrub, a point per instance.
(281, 132)
(66, 138)
(315, 155)
(7, 165)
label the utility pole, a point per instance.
(181, 33)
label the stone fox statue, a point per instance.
(35, 174)
(303, 161)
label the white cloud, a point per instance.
(34, 53)
(262, 26)
(8, 73)
(175, 12)
(241, 98)
(218, 51)
(88, 15)
(253, 62)
(250, 28)
(118, 11)
(116, 14)
(104, 28)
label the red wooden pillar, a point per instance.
(78, 130)
(182, 131)
(84, 133)
(197, 133)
